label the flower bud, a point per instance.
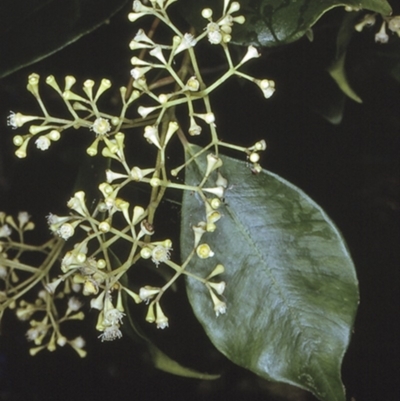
(104, 85)
(213, 162)
(219, 269)
(219, 288)
(161, 320)
(151, 134)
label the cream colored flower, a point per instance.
(101, 126)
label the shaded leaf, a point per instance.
(165, 363)
(274, 22)
(338, 73)
(292, 292)
(337, 69)
(159, 359)
(331, 107)
(31, 30)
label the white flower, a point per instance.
(160, 254)
(98, 303)
(139, 72)
(5, 231)
(77, 203)
(145, 111)
(16, 120)
(147, 292)
(220, 308)
(138, 7)
(54, 219)
(101, 126)
(252, 52)
(221, 181)
(51, 287)
(213, 162)
(194, 128)
(198, 231)
(74, 259)
(76, 287)
(23, 218)
(12, 120)
(157, 53)
(113, 317)
(267, 87)
(61, 341)
(66, 231)
(78, 342)
(218, 287)
(74, 304)
(161, 320)
(43, 143)
(25, 313)
(382, 36)
(209, 118)
(34, 333)
(187, 41)
(214, 33)
(151, 134)
(55, 222)
(142, 37)
(134, 45)
(110, 333)
(368, 20)
(218, 191)
(112, 175)
(394, 24)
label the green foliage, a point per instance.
(31, 30)
(291, 286)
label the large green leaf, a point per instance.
(31, 30)
(274, 22)
(292, 291)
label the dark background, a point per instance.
(350, 169)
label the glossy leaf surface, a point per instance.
(274, 22)
(291, 293)
(31, 30)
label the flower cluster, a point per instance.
(94, 248)
(18, 275)
(388, 23)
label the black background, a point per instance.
(350, 169)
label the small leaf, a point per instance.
(338, 73)
(165, 363)
(160, 360)
(275, 22)
(291, 292)
(34, 29)
(337, 69)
